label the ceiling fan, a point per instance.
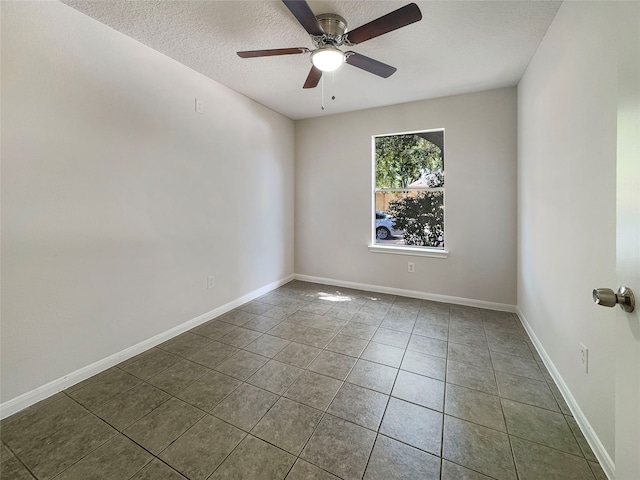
(328, 31)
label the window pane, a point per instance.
(409, 161)
(412, 218)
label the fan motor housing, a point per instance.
(334, 27)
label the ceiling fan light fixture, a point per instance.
(327, 58)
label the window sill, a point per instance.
(411, 251)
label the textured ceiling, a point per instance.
(457, 47)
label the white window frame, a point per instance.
(416, 251)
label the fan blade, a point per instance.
(391, 21)
(272, 52)
(313, 78)
(301, 10)
(370, 65)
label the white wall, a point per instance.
(334, 197)
(118, 200)
(567, 104)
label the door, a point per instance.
(627, 450)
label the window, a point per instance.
(409, 191)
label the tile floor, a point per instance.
(314, 382)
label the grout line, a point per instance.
(299, 298)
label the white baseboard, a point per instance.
(29, 398)
(469, 302)
(596, 445)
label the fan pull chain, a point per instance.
(322, 92)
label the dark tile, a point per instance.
(178, 377)
(347, 345)
(242, 365)
(391, 460)
(478, 357)
(540, 426)
(429, 307)
(472, 377)
(511, 347)
(76, 438)
(340, 447)
(560, 399)
(156, 470)
(359, 405)
(434, 318)
(451, 471)
(537, 461)
(256, 307)
(254, 460)
(237, 317)
(287, 330)
(526, 390)
(202, 448)
(298, 355)
(515, 365)
(159, 428)
(262, 324)
(131, 405)
(424, 391)
(288, 425)
(279, 313)
(275, 376)
(5, 453)
(466, 312)
(423, 364)
(474, 406)
(214, 329)
(398, 322)
(427, 328)
(582, 441)
(341, 313)
(375, 307)
(468, 337)
(100, 389)
(13, 469)
(373, 319)
(385, 354)
(314, 390)
(267, 345)
(332, 364)
(316, 307)
(213, 354)
(430, 346)
(245, 406)
(393, 338)
(185, 344)
(373, 375)
(306, 318)
(272, 298)
(116, 459)
(597, 471)
(26, 428)
(315, 337)
(479, 448)
(412, 424)
(305, 471)
(359, 330)
(240, 337)
(209, 390)
(330, 324)
(149, 363)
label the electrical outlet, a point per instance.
(211, 282)
(584, 353)
(411, 267)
